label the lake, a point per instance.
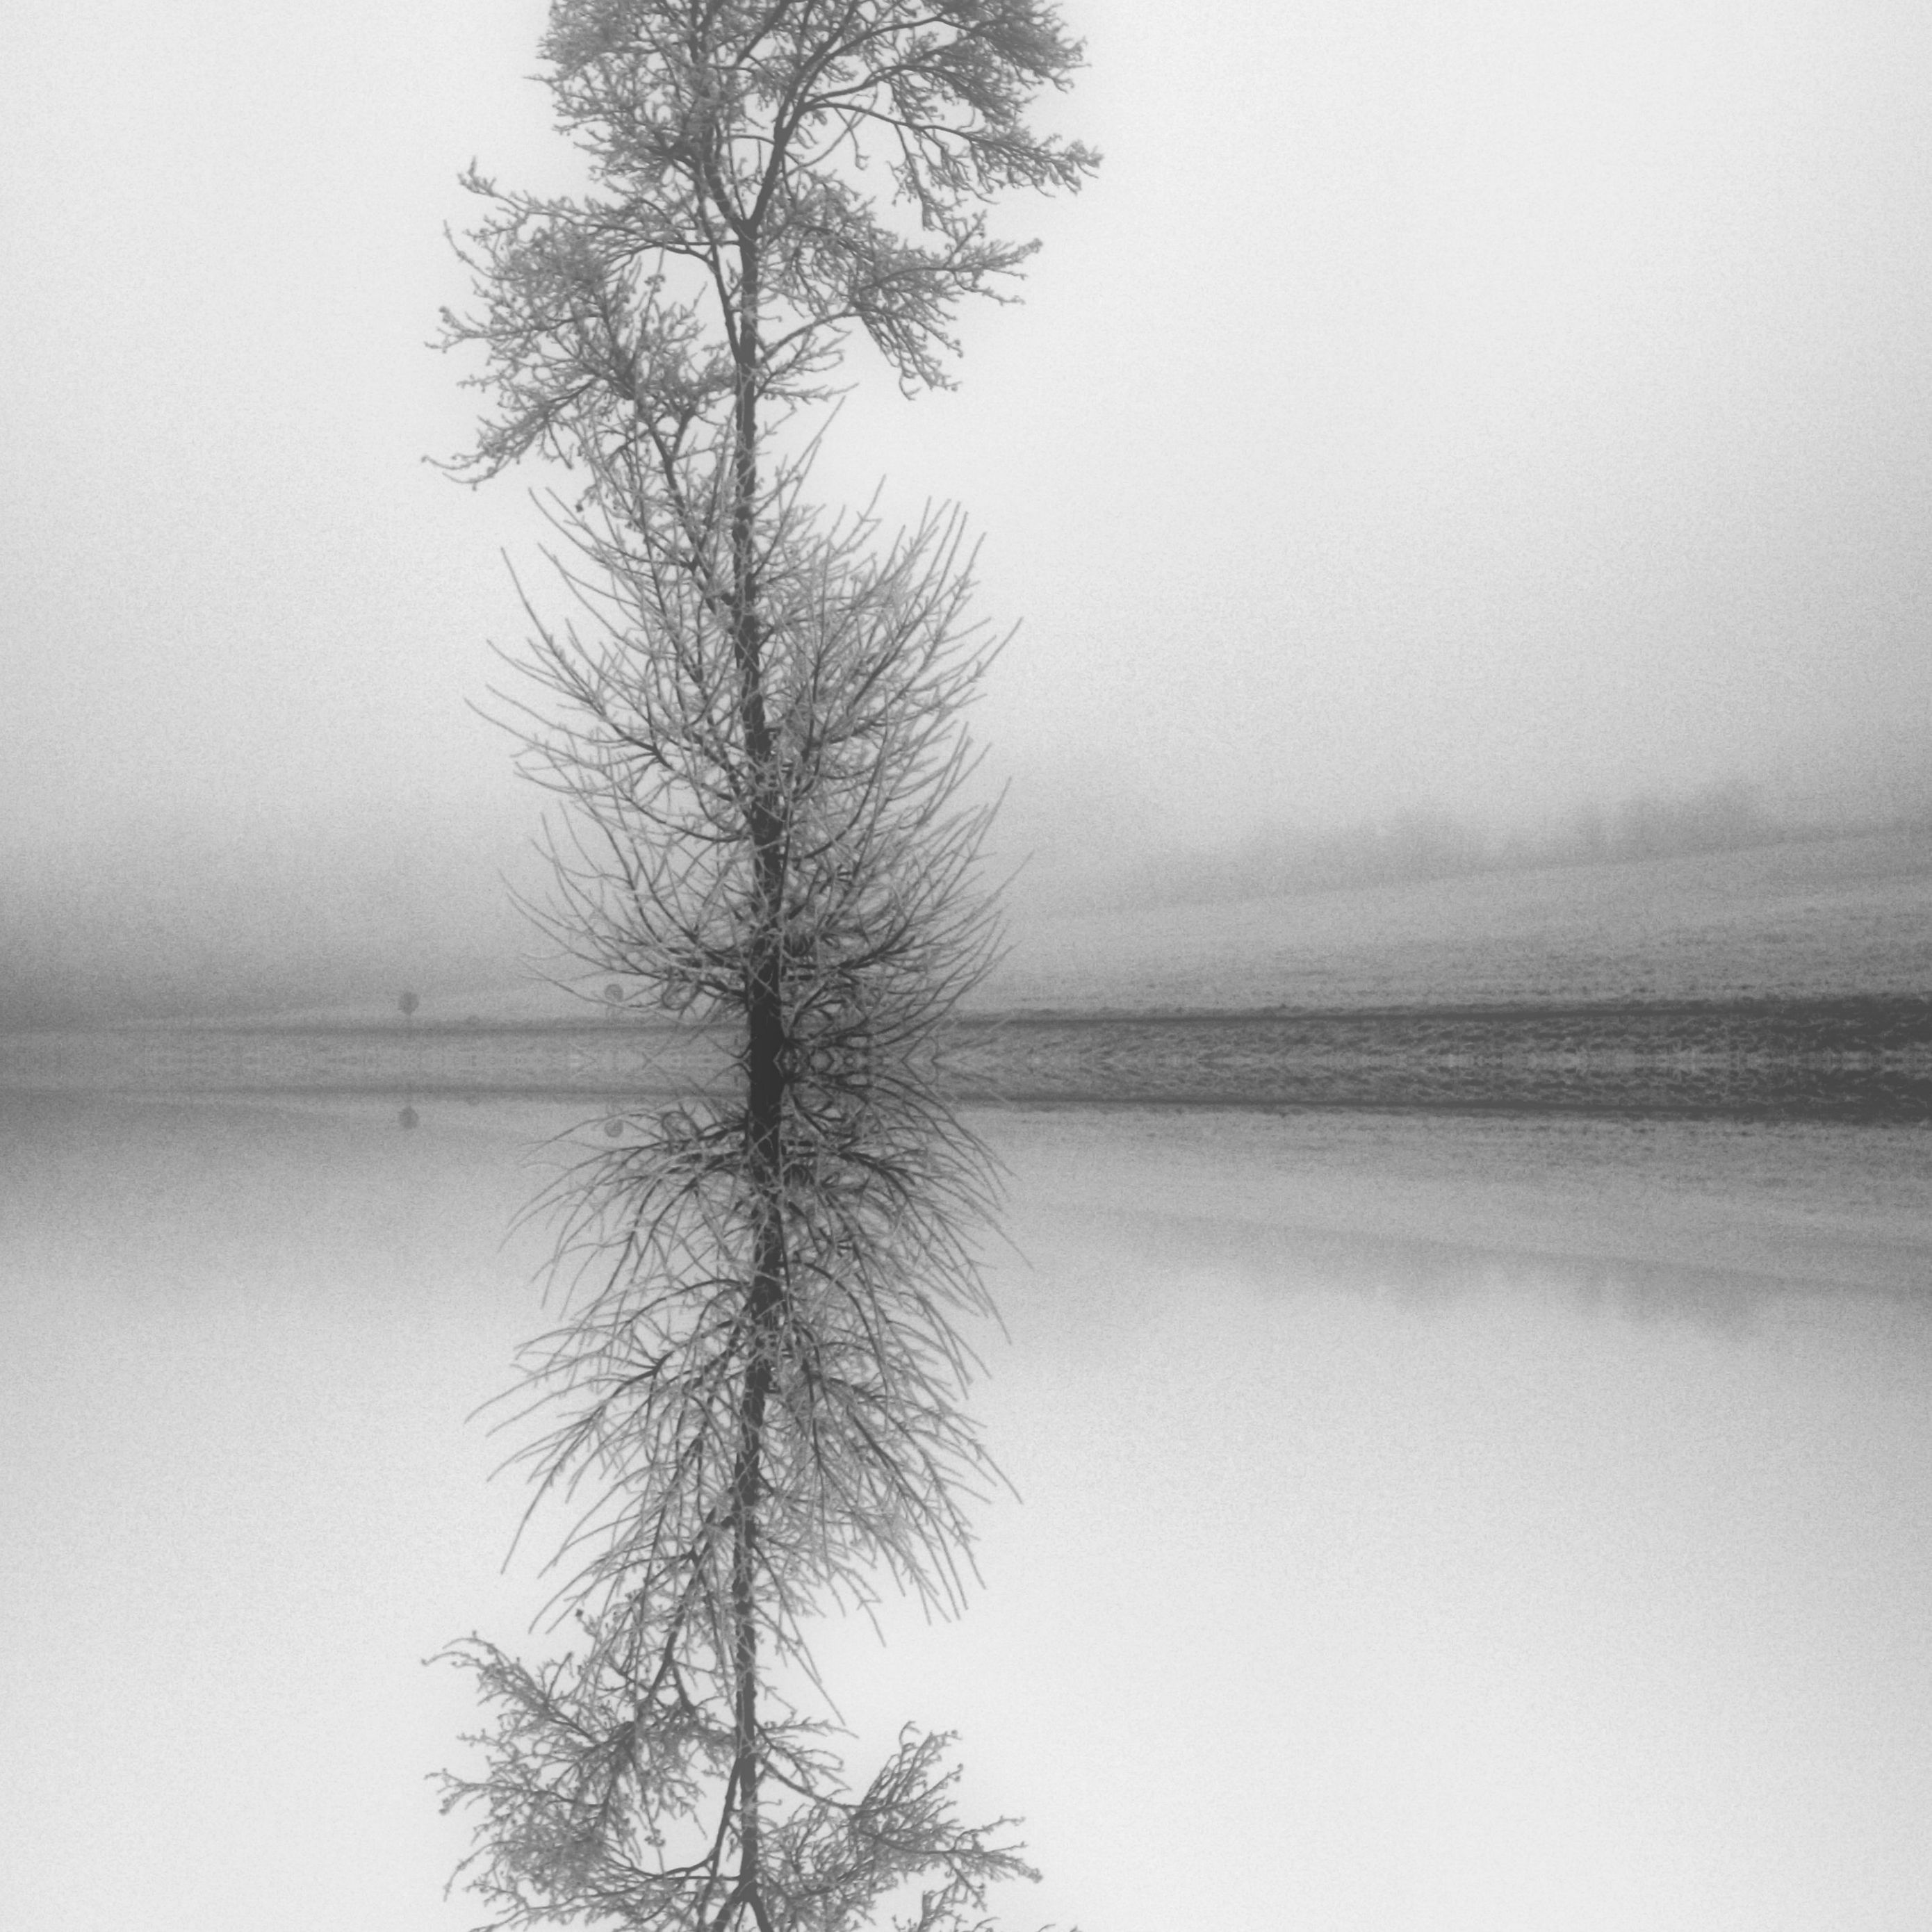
(1422, 1522)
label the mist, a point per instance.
(1475, 419)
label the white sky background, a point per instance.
(1476, 407)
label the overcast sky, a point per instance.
(1478, 407)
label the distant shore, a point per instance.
(1845, 1057)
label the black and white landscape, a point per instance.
(1446, 1126)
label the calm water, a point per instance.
(1425, 1524)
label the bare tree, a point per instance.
(755, 713)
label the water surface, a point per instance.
(1436, 1524)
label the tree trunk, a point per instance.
(765, 1082)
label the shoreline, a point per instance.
(1842, 1057)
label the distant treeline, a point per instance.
(1729, 816)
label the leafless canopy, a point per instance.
(752, 1396)
(738, 233)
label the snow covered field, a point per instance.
(1842, 915)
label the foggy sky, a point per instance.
(1476, 408)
